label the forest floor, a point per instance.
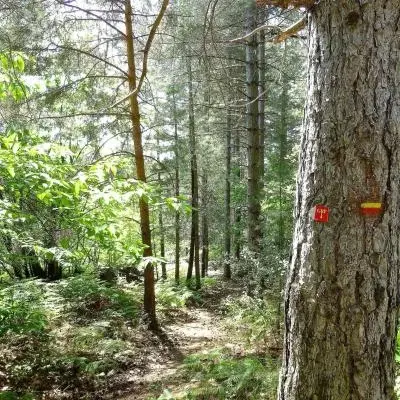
(207, 355)
(186, 332)
(83, 339)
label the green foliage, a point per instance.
(86, 294)
(21, 310)
(169, 295)
(222, 376)
(12, 65)
(258, 320)
(14, 396)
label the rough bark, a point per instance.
(342, 287)
(253, 132)
(149, 292)
(228, 228)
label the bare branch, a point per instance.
(291, 30)
(286, 3)
(246, 37)
(98, 17)
(146, 51)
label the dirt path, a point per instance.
(194, 331)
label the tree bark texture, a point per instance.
(342, 287)
(253, 132)
(149, 292)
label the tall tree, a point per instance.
(134, 88)
(228, 224)
(194, 239)
(342, 290)
(253, 132)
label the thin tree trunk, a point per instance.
(228, 228)
(253, 132)
(261, 101)
(204, 227)
(195, 180)
(177, 193)
(237, 239)
(341, 302)
(189, 275)
(161, 224)
(149, 292)
(282, 173)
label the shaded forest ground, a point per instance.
(82, 339)
(209, 356)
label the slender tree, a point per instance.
(253, 132)
(134, 88)
(177, 191)
(228, 227)
(194, 240)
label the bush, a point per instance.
(222, 376)
(21, 309)
(89, 295)
(257, 319)
(169, 295)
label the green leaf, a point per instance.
(11, 171)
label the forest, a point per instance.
(199, 199)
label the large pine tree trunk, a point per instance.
(341, 296)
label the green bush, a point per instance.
(222, 376)
(169, 295)
(21, 309)
(258, 319)
(88, 295)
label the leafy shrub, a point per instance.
(222, 376)
(169, 295)
(87, 294)
(257, 319)
(14, 396)
(21, 309)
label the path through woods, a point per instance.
(196, 330)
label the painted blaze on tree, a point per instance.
(342, 288)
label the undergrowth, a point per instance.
(256, 321)
(76, 335)
(218, 375)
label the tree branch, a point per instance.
(286, 3)
(291, 30)
(146, 51)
